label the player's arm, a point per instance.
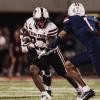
(24, 36)
(24, 40)
(57, 40)
(62, 34)
(53, 42)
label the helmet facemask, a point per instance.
(41, 17)
(41, 22)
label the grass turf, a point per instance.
(26, 90)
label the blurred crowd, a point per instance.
(12, 61)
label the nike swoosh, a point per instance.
(85, 96)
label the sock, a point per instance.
(79, 89)
(46, 94)
(85, 88)
(47, 78)
(47, 87)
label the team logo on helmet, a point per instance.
(76, 9)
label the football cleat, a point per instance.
(46, 96)
(79, 96)
(87, 95)
(49, 92)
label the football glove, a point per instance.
(45, 52)
(26, 40)
(24, 49)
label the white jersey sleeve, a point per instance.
(53, 30)
(24, 36)
(27, 24)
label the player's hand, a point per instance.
(45, 52)
(24, 49)
(26, 40)
(31, 45)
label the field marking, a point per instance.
(29, 89)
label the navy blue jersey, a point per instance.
(84, 28)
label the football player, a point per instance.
(37, 33)
(85, 29)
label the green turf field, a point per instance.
(26, 90)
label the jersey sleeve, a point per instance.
(24, 31)
(66, 24)
(26, 25)
(24, 28)
(53, 30)
(93, 19)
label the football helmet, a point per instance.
(76, 9)
(41, 17)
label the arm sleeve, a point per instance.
(66, 25)
(56, 42)
(52, 34)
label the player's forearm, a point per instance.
(57, 41)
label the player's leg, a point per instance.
(77, 87)
(38, 82)
(36, 78)
(73, 72)
(80, 59)
(58, 65)
(47, 80)
(35, 68)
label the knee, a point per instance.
(46, 73)
(34, 70)
(69, 65)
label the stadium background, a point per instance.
(15, 83)
(13, 14)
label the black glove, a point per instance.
(47, 51)
(26, 40)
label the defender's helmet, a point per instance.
(76, 9)
(41, 17)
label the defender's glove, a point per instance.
(26, 40)
(45, 52)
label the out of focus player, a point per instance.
(85, 29)
(37, 32)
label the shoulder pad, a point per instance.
(66, 19)
(53, 30)
(28, 22)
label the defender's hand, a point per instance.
(47, 51)
(43, 53)
(26, 40)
